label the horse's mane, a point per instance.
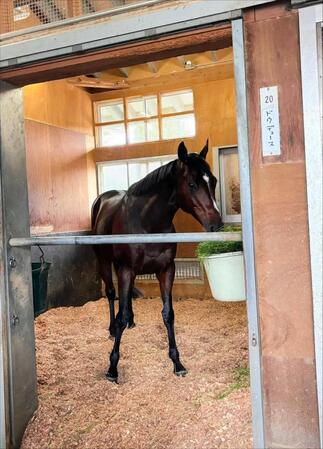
(150, 182)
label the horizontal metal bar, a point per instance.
(82, 18)
(126, 239)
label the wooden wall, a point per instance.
(215, 113)
(61, 172)
(281, 234)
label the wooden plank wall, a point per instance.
(61, 172)
(281, 234)
(215, 119)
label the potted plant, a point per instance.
(224, 266)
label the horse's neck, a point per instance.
(158, 209)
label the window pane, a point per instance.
(142, 107)
(153, 165)
(178, 126)
(114, 177)
(152, 130)
(177, 102)
(151, 106)
(136, 108)
(136, 132)
(143, 131)
(231, 183)
(137, 171)
(111, 111)
(166, 161)
(111, 135)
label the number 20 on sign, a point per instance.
(270, 129)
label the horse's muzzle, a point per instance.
(214, 227)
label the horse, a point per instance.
(149, 206)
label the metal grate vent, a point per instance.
(17, 15)
(186, 270)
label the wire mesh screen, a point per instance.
(186, 270)
(16, 15)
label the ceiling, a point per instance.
(218, 63)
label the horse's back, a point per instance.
(104, 209)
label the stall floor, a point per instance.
(150, 408)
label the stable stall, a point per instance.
(190, 42)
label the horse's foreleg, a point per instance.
(106, 274)
(125, 282)
(166, 279)
(111, 295)
(130, 318)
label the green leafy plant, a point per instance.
(241, 380)
(206, 249)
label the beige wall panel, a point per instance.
(70, 180)
(61, 170)
(60, 104)
(57, 178)
(40, 187)
(91, 170)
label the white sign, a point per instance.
(270, 130)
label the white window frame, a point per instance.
(100, 183)
(160, 116)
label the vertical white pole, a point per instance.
(248, 239)
(310, 19)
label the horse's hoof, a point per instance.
(111, 378)
(181, 373)
(131, 326)
(180, 370)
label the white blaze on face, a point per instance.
(207, 180)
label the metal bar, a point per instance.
(223, 7)
(311, 63)
(82, 18)
(248, 237)
(126, 239)
(15, 273)
(125, 28)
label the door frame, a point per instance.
(19, 276)
(311, 29)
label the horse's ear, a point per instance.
(205, 149)
(182, 152)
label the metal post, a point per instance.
(18, 380)
(310, 20)
(126, 239)
(248, 239)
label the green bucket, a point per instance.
(40, 276)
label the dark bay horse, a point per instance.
(149, 206)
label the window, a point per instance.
(183, 123)
(229, 184)
(120, 175)
(144, 119)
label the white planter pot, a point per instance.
(226, 276)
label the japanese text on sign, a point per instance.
(270, 130)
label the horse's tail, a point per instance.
(95, 209)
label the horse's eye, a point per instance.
(192, 185)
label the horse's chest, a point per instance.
(157, 259)
(147, 259)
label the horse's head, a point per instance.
(196, 188)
